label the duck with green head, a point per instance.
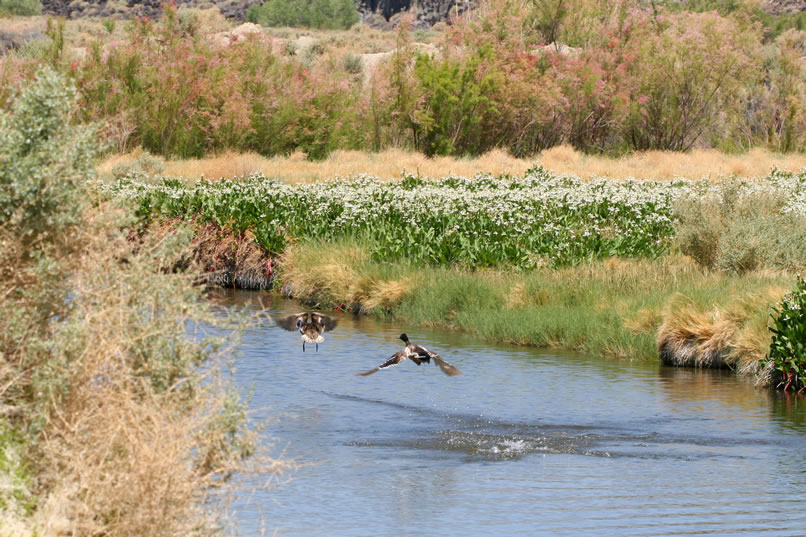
(417, 354)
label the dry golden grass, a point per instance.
(22, 25)
(385, 295)
(134, 440)
(392, 163)
(696, 164)
(332, 275)
(734, 335)
(296, 169)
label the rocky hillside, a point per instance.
(124, 9)
(783, 6)
(376, 13)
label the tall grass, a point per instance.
(614, 307)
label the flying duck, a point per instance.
(416, 354)
(310, 325)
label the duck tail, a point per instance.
(309, 339)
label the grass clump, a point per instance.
(617, 307)
(734, 226)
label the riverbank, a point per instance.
(621, 308)
(685, 271)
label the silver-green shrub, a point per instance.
(43, 158)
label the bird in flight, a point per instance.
(310, 325)
(417, 354)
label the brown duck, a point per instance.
(416, 354)
(310, 325)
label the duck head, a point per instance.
(404, 337)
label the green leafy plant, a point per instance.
(20, 7)
(109, 25)
(787, 354)
(456, 106)
(329, 14)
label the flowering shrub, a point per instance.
(484, 221)
(603, 76)
(787, 355)
(692, 69)
(185, 97)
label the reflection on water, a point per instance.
(525, 441)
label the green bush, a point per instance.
(329, 14)
(109, 25)
(787, 354)
(42, 159)
(20, 7)
(352, 63)
(144, 165)
(456, 106)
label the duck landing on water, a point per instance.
(416, 354)
(310, 325)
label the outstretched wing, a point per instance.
(446, 368)
(394, 360)
(290, 323)
(324, 322)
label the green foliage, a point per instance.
(55, 31)
(328, 14)
(109, 25)
(145, 164)
(456, 109)
(16, 498)
(479, 222)
(23, 8)
(352, 63)
(42, 159)
(787, 354)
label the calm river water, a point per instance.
(525, 442)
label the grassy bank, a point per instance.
(684, 270)
(618, 307)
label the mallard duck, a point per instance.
(310, 325)
(416, 354)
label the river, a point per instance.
(524, 442)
